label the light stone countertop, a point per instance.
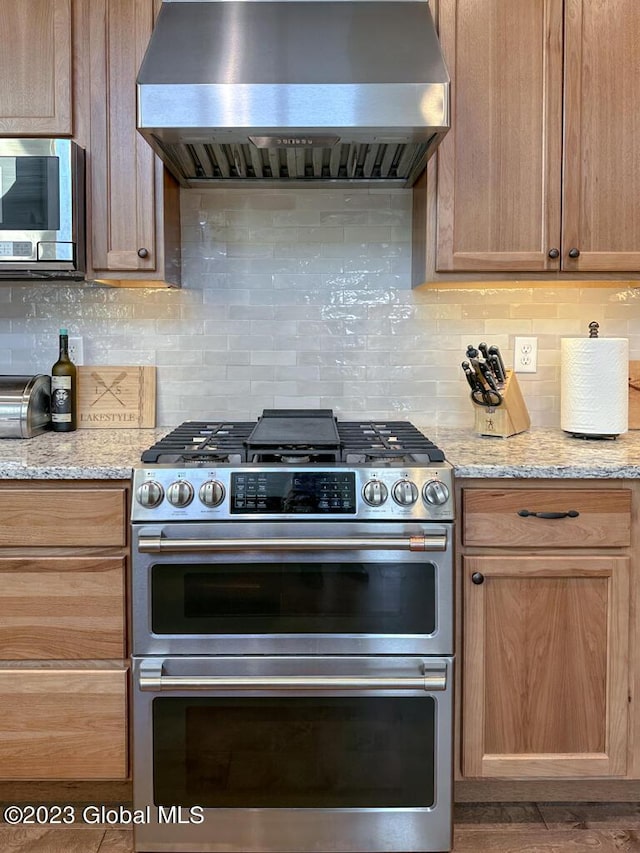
(110, 454)
(540, 453)
(87, 454)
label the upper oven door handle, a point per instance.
(152, 677)
(423, 542)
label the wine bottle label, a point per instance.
(61, 399)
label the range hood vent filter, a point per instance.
(201, 163)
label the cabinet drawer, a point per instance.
(61, 608)
(63, 724)
(491, 517)
(65, 516)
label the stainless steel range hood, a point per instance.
(295, 91)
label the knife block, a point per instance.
(509, 418)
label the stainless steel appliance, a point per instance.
(292, 594)
(42, 209)
(25, 405)
(298, 91)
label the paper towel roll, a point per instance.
(594, 393)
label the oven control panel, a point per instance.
(293, 493)
(167, 493)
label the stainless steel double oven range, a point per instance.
(292, 593)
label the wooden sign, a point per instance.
(634, 395)
(116, 397)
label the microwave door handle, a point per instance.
(430, 679)
(423, 542)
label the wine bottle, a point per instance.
(63, 389)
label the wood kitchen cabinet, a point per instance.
(63, 723)
(36, 68)
(133, 202)
(63, 666)
(539, 172)
(546, 618)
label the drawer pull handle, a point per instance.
(571, 513)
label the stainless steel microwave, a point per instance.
(42, 209)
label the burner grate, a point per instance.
(357, 442)
(195, 440)
(390, 439)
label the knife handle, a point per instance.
(497, 370)
(495, 351)
(469, 375)
(478, 374)
(485, 352)
(488, 376)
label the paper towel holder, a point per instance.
(583, 433)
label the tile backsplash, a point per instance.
(303, 298)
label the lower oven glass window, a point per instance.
(294, 752)
(318, 598)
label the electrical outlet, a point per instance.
(76, 350)
(525, 355)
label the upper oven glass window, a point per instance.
(390, 597)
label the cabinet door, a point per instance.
(557, 517)
(545, 666)
(123, 194)
(601, 212)
(62, 608)
(35, 68)
(63, 723)
(498, 200)
(63, 516)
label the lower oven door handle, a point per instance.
(428, 681)
(155, 544)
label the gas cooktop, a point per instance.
(292, 436)
(290, 464)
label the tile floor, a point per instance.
(479, 828)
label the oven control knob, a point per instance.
(375, 493)
(211, 493)
(405, 492)
(149, 494)
(435, 492)
(180, 493)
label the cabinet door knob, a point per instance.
(554, 253)
(574, 253)
(143, 253)
(477, 578)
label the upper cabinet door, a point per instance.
(134, 204)
(498, 200)
(35, 68)
(122, 163)
(601, 194)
